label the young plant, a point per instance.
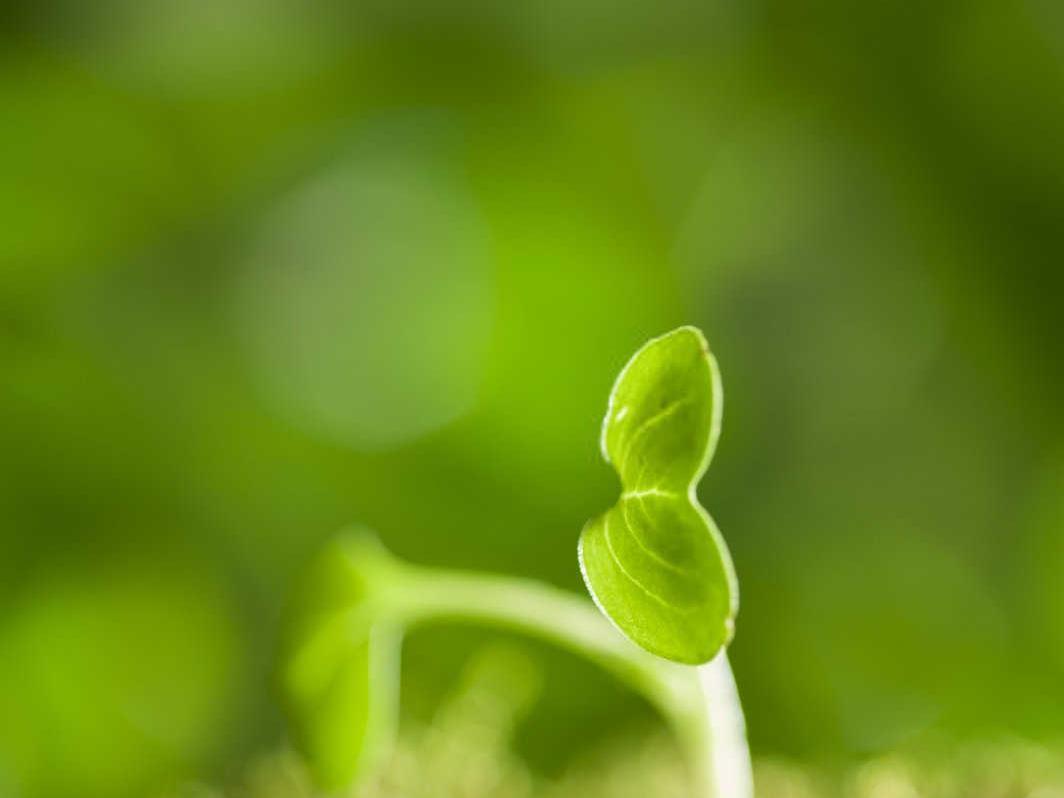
(654, 563)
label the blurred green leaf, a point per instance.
(655, 563)
(341, 670)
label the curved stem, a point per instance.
(700, 704)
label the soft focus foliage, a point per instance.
(270, 268)
(465, 751)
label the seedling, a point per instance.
(654, 563)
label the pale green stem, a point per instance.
(700, 704)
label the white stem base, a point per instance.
(728, 751)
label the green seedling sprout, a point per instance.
(654, 563)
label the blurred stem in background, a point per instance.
(700, 704)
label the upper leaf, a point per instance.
(655, 563)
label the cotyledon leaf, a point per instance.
(655, 562)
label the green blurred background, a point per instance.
(271, 268)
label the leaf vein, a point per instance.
(660, 560)
(648, 423)
(613, 555)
